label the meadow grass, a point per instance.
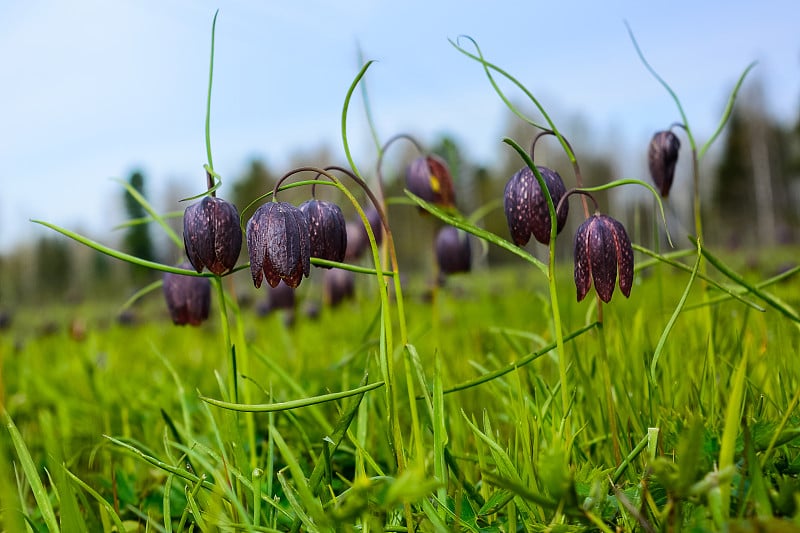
(117, 433)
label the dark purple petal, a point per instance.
(583, 271)
(662, 155)
(227, 237)
(327, 231)
(257, 241)
(624, 256)
(211, 235)
(453, 252)
(429, 178)
(541, 212)
(278, 242)
(518, 206)
(188, 297)
(198, 235)
(338, 285)
(603, 257)
(526, 207)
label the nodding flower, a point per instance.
(326, 228)
(338, 285)
(453, 251)
(662, 155)
(526, 207)
(602, 248)
(429, 178)
(279, 244)
(211, 235)
(188, 297)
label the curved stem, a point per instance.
(573, 160)
(663, 84)
(382, 152)
(208, 97)
(583, 194)
(487, 67)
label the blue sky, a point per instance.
(95, 89)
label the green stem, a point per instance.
(226, 334)
(208, 96)
(551, 278)
(562, 360)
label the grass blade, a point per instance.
(671, 323)
(100, 500)
(35, 482)
(293, 404)
(733, 417)
(122, 256)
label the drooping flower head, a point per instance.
(188, 297)
(338, 285)
(429, 178)
(662, 155)
(211, 235)
(279, 244)
(453, 251)
(526, 207)
(327, 229)
(603, 249)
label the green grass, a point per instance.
(111, 430)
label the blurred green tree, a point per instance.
(137, 240)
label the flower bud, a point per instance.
(279, 244)
(429, 178)
(326, 228)
(661, 158)
(188, 297)
(453, 252)
(211, 235)
(526, 207)
(602, 247)
(338, 285)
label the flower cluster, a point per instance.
(282, 238)
(602, 248)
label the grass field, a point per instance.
(109, 430)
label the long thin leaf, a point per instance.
(31, 474)
(671, 323)
(293, 404)
(96, 495)
(727, 113)
(663, 83)
(733, 417)
(136, 195)
(121, 255)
